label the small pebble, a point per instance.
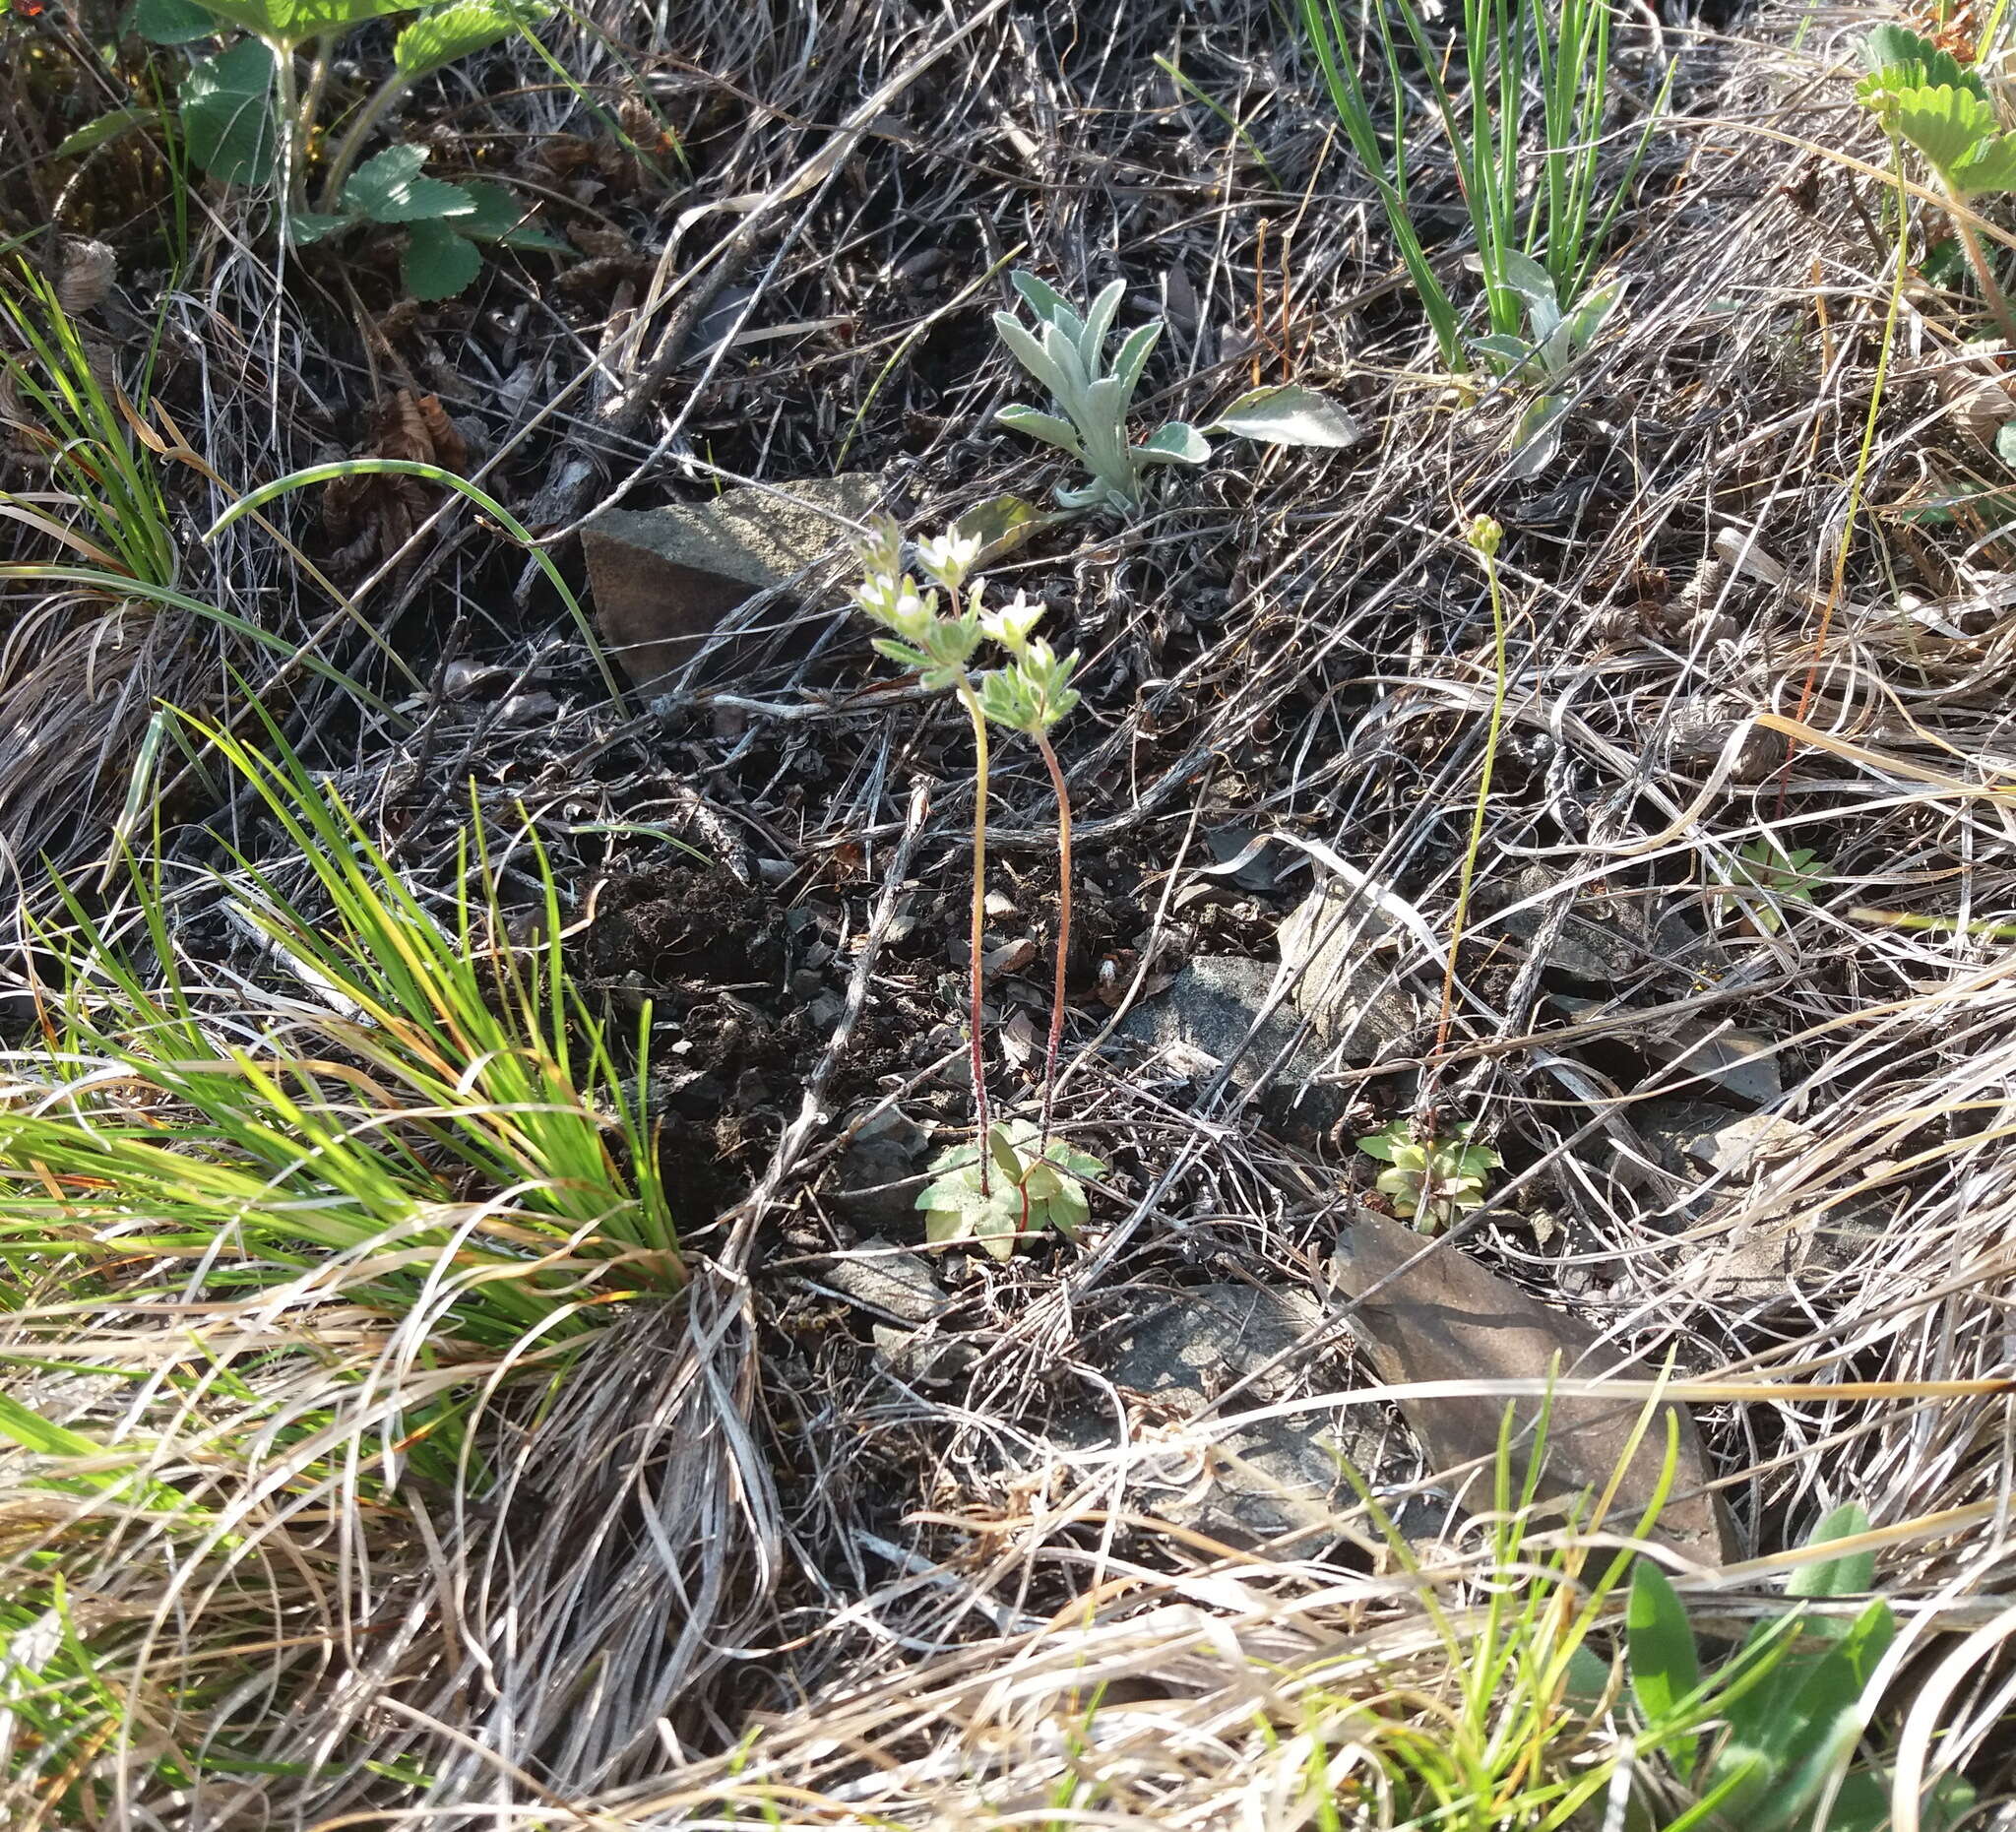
(527, 709)
(463, 679)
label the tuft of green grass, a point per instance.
(108, 504)
(1524, 127)
(421, 1100)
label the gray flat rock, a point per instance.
(1256, 1482)
(1353, 1005)
(889, 1278)
(1200, 1023)
(1603, 941)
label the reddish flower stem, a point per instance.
(1063, 794)
(971, 703)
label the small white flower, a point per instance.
(1010, 626)
(949, 558)
(915, 611)
(876, 595)
(897, 603)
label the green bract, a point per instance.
(1787, 876)
(1066, 352)
(1434, 1182)
(1032, 1186)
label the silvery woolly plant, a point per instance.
(1545, 356)
(1010, 1178)
(1066, 353)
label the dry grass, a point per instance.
(728, 1565)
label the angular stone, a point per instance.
(888, 1278)
(663, 580)
(1688, 1135)
(1449, 1318)
(1741, 1063)
(1605, 940)
(1353, 1006)
(1200, 1021)
(1254, 1482)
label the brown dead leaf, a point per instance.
(1448, 1318)
(373, 516)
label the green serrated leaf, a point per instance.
(499, 217)
(1989, 167)
(310, 226)
(389, 188)
(1945, 123)
(170, 22)
(227, 113)
(457, 31)
(438, 263)
(1896, 49)
(295, 22)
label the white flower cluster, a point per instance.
(1031, 692)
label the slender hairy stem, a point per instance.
(1063, 792)
(367, 117)
(971, 701)
(289, 111)
(1484, 793)
(1997, 303)
(311, 102)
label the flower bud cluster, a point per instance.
(1030, 692)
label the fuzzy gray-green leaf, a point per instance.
(1044, 427)
(1030, 355)
(1098, 322)
(1174, 443)
(1290, 414)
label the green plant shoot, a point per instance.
(1066, 353)
(1788, 877)
(1034, 1183)
(1431, 1181)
